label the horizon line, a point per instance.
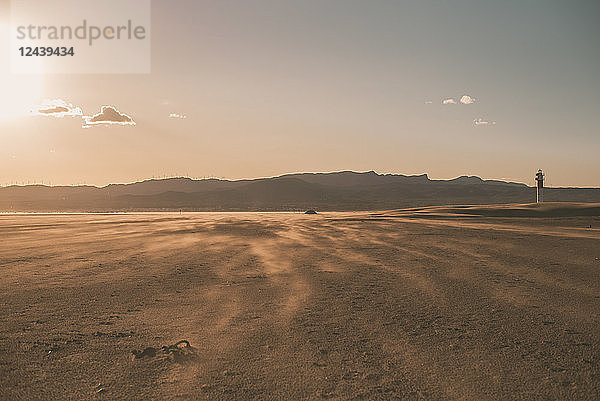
(206, 178)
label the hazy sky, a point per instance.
(270, 87)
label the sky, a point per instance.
(259, 88)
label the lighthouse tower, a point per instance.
(539, 177)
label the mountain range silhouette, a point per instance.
(337, 191)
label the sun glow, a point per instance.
(19, 92)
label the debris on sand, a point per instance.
(169, 349)
(310, 212)
(177, 352)
(149, 351)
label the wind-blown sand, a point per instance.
(419, 304)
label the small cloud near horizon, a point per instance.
(482, 122)
(108, 115)
(56, 108)
(176, 115)
(428, 102)
(466, 99)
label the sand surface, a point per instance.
(390, 305)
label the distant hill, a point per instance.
(345, 190)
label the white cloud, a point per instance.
(466, 99)
(481, 121)
(56, 108)
(108, 115)
(60, 108)
(428, 102)
(175, 115)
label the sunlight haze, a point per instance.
(447, 88)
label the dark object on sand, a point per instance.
(177, 351)
(149, 351)
(310, 212)
(169, 349)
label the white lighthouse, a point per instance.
(539, 177)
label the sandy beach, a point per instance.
(424, 304)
